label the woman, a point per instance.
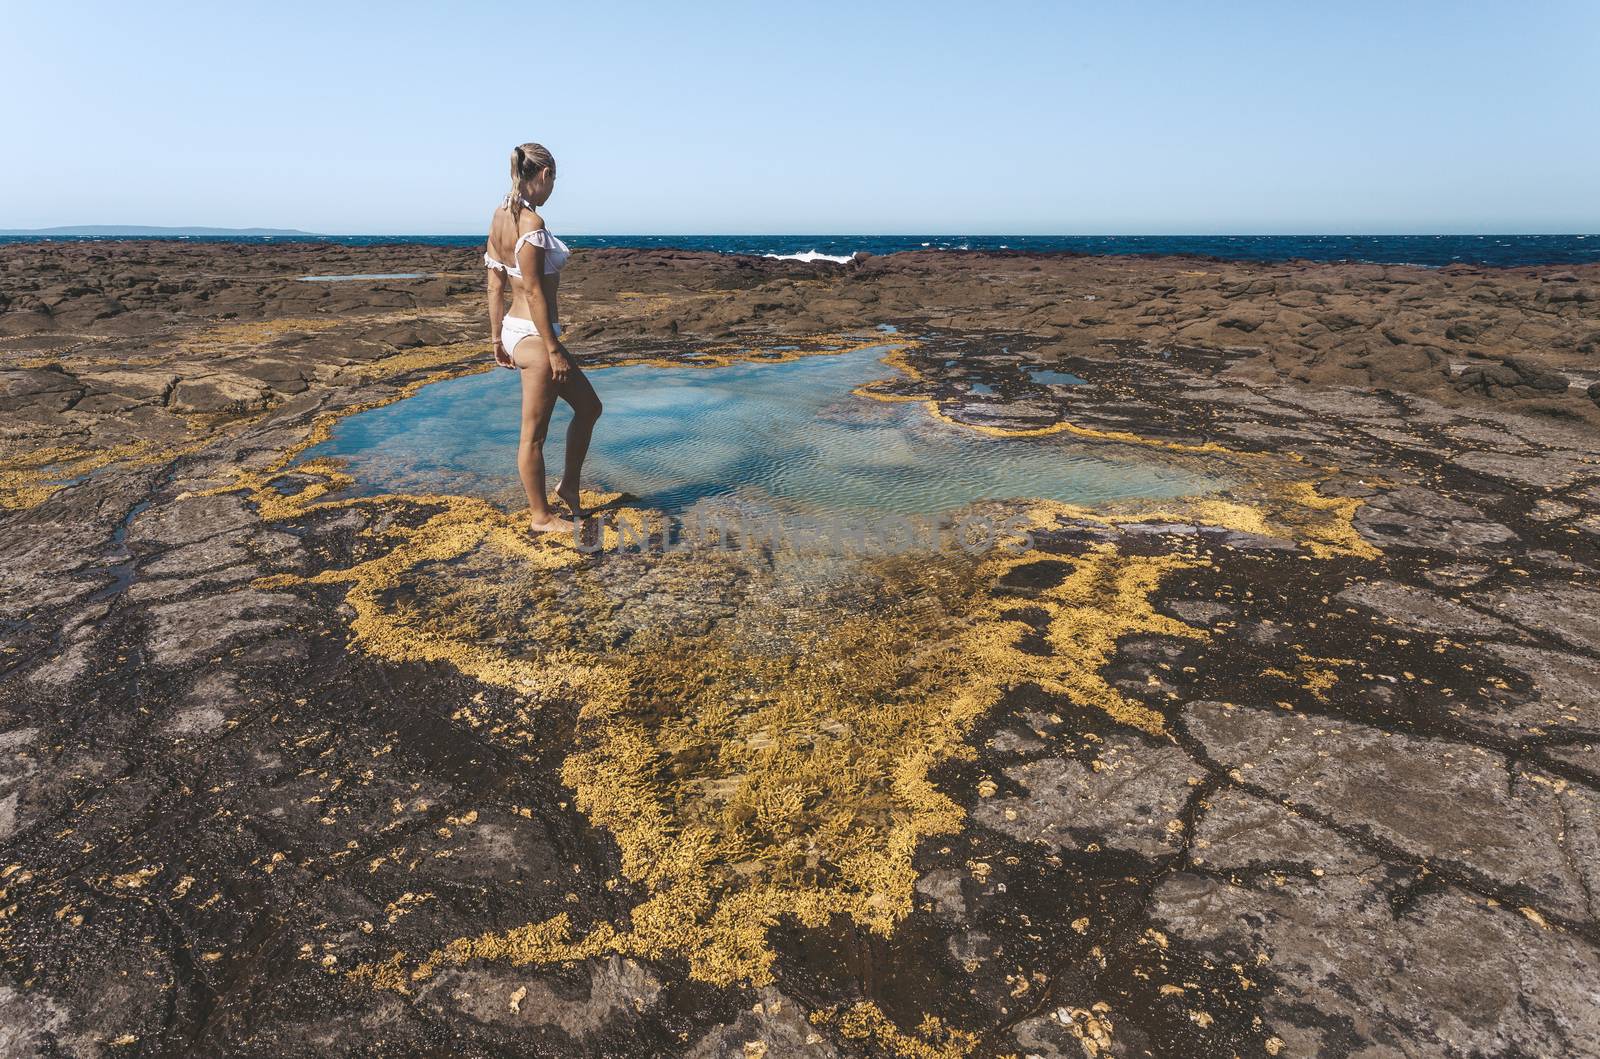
(528, 337)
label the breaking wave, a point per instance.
(813, 255)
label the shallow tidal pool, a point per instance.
(354, 276)
(788, 433)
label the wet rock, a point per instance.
(1567, 685)
(1414, 608)
(1351, 976)
(1452, 804)
(191, 519)
(16, 765)
(1456, 575)
(226, 549)
(67, 666)
(1127, 797)
(218, 393)
(1421, 518)
(411, 335)
(943, 887)
(147, 589)
(1241, 832)
(139, 385)
(1550, 470)
(1569, 612)
(34, 1024)
(38, 389)
(1199, 612)
(1582, 755)
(1510, 378)
(190, 630)
(1548, 510)
(282, 377)
(774, 1026)
(214, 695)
(618, 988)
(1015, 741)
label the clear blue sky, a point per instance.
(820, 117)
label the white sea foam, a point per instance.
(813, 255)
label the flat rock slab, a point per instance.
(1454, 805)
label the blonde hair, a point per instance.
(526, 161)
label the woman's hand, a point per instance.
(501, 357)
(560, 362)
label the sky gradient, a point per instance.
(1016, 118)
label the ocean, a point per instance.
(1432, 251)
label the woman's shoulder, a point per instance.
(500, 222)
(529, 221)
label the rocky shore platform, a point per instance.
(1306, 767)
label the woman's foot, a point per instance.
(570, 498)
(549, 524)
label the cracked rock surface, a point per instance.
(1309, 769)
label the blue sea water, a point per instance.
(1428, 250)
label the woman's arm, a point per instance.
(530, 262)
(497, 312)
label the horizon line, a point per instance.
(60, 230)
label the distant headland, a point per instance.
(104, 231)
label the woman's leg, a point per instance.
(579, 393)
(538, 399)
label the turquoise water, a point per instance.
(789, 433)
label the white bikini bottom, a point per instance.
(514, 329)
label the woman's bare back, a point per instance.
(504, 231)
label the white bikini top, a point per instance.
(555, 251)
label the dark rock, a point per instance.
(1510, 378)
(49, 389)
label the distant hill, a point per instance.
(137, 230)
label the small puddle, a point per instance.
(789, 433)
(1051, 377)
(365, 275)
